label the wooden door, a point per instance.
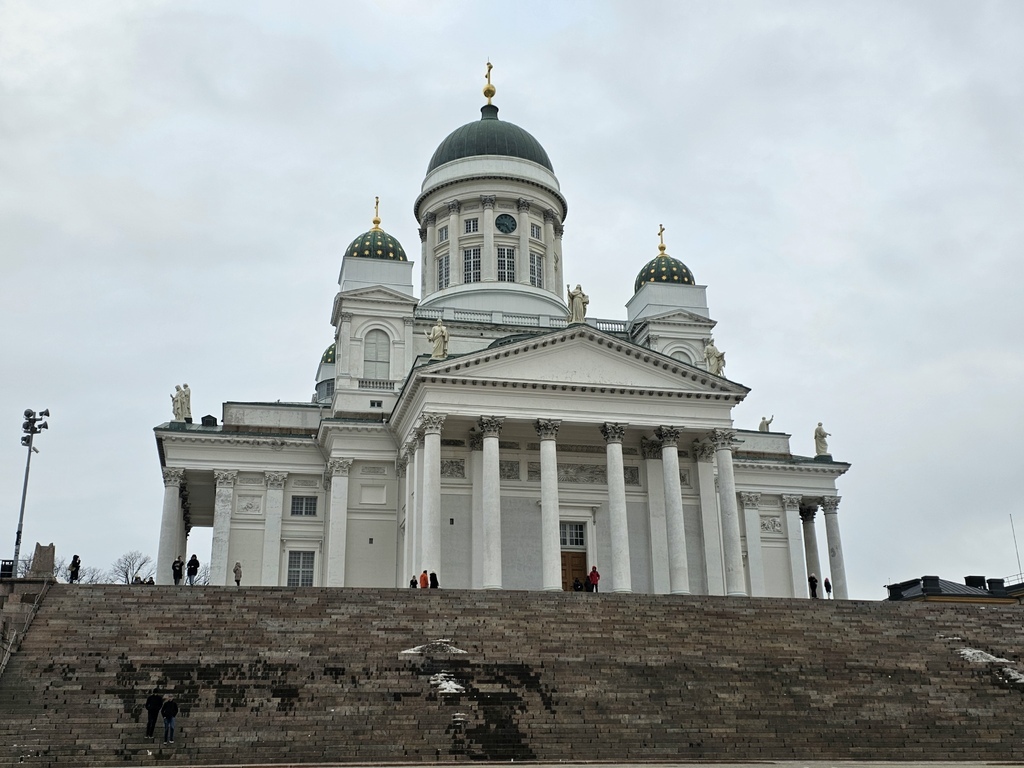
(574, 566)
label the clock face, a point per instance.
(505, 224)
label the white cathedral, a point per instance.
(491, 433)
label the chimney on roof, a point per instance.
(997, 588)
(930, 585)
(978, 582)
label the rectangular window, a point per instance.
(444, 277)
(571, 534)
(471, 265)
(507, 265)
(472, 225)
(303, 506)
(536, 270)
(442, 234)
(300, 569)
(535, 231)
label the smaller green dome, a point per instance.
(664, 269)
(376, 244)
(328, 357)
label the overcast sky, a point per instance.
(178, 181)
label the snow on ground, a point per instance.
(443, 645)
(975, 656)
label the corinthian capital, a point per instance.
(173, 476)
(522, 205)
(336, 467)
(275, 480)
(432, 423)
(650, 449)
(454, 206)
(550, 216)
(613, 432)
(225, 478)
(547, 429)
(703, 451)
(490, 426)
(487, 201)
(430, 219)
(750, 499)
(791, 502)
(830, 504)
(722, 438)
(667, 435)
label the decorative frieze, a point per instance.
(451, 442)
(509, 445)
(509, 470)
(306, 482)
(771, 525)
(627, 450)
(453, 468)
(249, 478)
(373, 470)
(684, 478)
(250, 505)
(589, 474)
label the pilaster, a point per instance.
(797, 567)
(223, 503)
(755, 557)
(488, 254)
(337, 521)
(271, 570)
(711, 527)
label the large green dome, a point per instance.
(489, 136)
(376, 244)
(664, 269)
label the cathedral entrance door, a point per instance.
(574, 566)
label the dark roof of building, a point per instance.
(489, 136)
(973, 589)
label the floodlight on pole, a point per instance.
(32, 426)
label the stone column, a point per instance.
(222, 506)
(556, 253)
(797, 568)
(651, 452)
(428, 265)
(476, 476)
(490, 427)
(432, 424)
(171, 525)
(417, 507)
(337, 521)
(678, 569)
(411, 496)
(550, 542)
(811, 546)
(551, 281)
(523, 252)
(711, 527)
(342, 355)
(401, 465)
(454, 239)
(618, 525)
(488, 255)
(735, 581)
(835, 548)
(755, 558)
(271, 572)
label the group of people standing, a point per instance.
(157, 705)
(425, 581)
(589, 583)
(191, 569)
(812, 583)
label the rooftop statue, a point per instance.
(765, 423)
(176, 403)
(438, 336)
(820, 443)
(714, 358)
(578, 302)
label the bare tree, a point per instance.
(129, 566)
(203, 576)
(87, 574)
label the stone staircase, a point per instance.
(274, 675)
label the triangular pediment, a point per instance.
(376, 294)
(680, 316)
(581, 356)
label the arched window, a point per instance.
(681, 356)
(377, 356)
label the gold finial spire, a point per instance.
(661, 236)
(489, 89)
(376, 213)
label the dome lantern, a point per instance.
(376, 243)
(663, 268)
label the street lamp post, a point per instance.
(33, 425)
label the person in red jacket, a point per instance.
(424, 581)
(593, 577)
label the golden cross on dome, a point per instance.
(489, 90)
(661, 236)
(376, 213)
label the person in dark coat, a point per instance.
(434, 584)
(170, 711)
(828, 588)
(577, 585)
(192, 569)
(153, 705)
(812, 583)
(177, 569)
(413, 584)
(73, 569)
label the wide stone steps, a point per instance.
(315, 675)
